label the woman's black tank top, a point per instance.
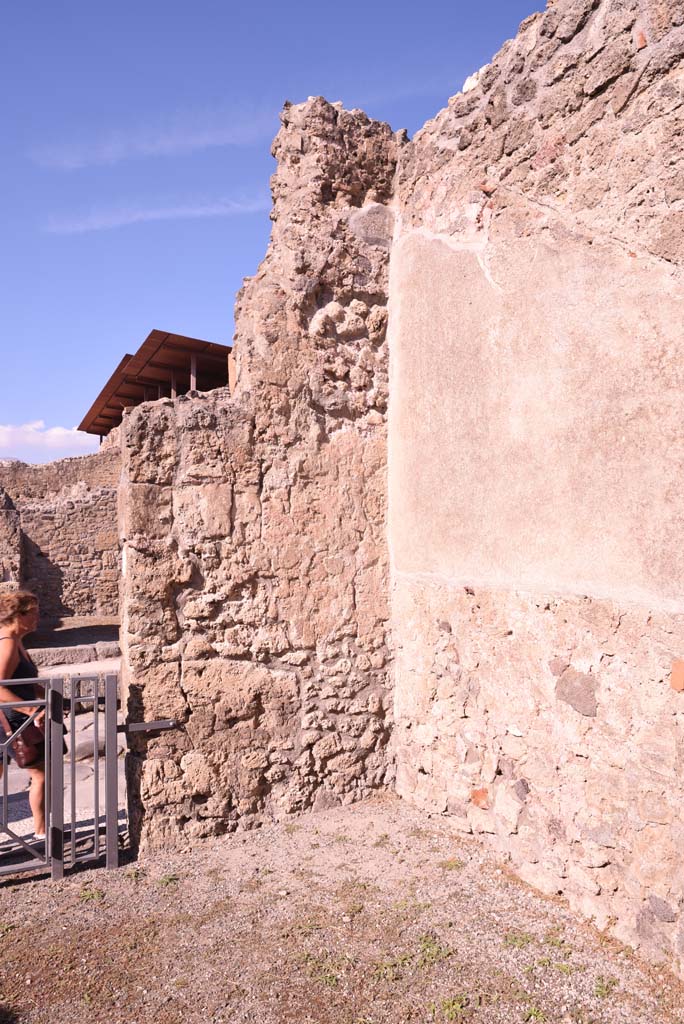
(26, 669)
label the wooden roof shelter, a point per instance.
(165, 366)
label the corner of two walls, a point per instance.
(535, 463)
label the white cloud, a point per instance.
(34, 442)
(121, 216)
(182, 132)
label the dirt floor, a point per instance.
(372, 914)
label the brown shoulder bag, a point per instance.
(29, 746)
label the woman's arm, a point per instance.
(9, 659)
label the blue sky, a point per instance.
(135, 170)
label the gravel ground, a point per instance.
(371, 914)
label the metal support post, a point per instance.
(56, 805)
(111, 773)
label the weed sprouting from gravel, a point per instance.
(168, 881)
(555, 938)
(431, 951)
(392, 969)
(450, 1009)
(453, 864)
(326, 969)
(604, 987)
(136, 874)
(90, 894)
(518, 940)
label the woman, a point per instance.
(18, 617)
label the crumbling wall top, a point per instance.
(577, 114)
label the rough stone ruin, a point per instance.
(431, 542)
(58, 532)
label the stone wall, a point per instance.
(69, 547)
(255, 580)
(10, 542)
(536, 454)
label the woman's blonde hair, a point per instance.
(15, 603)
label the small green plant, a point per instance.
(306, 926)
(431, 951)
(166, 881)
(382, 840)
(411, 907)
(604, 987)
(534, 1013)
(518, 940)
(555, 938)
(454, 864)
(135, 874)
(91, 895)
(5, 929)
(321, 969)
(451, 1009)
(392, 970)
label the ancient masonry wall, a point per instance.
(59, 532)
(255, 580)
(536, 456)
(10, 543)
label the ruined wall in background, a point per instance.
(254, 565)
(10, 543)
(69, 544)
(536, 456)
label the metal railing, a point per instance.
(69, 841)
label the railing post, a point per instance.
(111, 773)
(55, 716)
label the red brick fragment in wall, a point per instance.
(677, 675)
(639, 37)
(480, 797)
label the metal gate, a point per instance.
(82, 823)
